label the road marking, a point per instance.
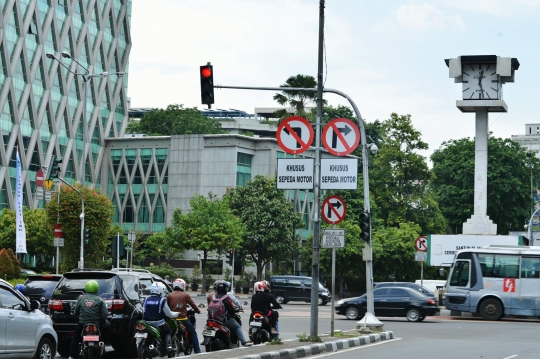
(359, 347)
(511, 356)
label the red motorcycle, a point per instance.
(259, 328)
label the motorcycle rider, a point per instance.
(156, 310)
(177, 301)
(274, 316)
(90, 309)
(261, 303)
(221, 291)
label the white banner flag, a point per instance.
(21, 230)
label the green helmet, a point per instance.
(92, 286)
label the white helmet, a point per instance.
(156, 289)
(163, 289)
(179, 283)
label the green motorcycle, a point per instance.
(150, 343)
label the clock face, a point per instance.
(480, 82)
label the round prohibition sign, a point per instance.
(334, 209)
(294, 134)
(341, 136)
(421, 244)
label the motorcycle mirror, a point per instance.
(201, 305)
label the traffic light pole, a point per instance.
(81, 260)
(232, 275)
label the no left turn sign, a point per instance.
(341, 136)
(421, 244)
(334, 209)
(294, 134)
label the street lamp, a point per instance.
(529, 155)
(86, 79)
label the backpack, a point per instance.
(216, 309)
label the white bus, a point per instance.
(495, 281)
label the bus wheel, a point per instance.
(491, 309)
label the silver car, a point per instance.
(25, 332)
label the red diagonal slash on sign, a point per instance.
(340, 136)
(334, 203)
(294, 134)
(333, 209)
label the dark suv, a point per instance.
(123, 290)
(40, 287)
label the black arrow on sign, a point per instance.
(345, 130)
(336, 205)
(298, 131)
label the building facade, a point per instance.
(42, 102)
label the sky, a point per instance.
(387, 55)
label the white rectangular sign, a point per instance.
(59, 242)
(39, 193)
(295, 173)
(333, 238)
(420, 256)
(48, 196)
(339, 173)
(443, 247)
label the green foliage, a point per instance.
(269, 220)
(163, 244)
(98, 217)
(196, 275)
(302, 337)
(174, 120)
(508, 189)
(163, 270)
(16, 281)
(228, 274)
(298, 101)
(15, 263)
(6, 267)
(209, 226)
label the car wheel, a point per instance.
(45, 349)
(63, 348)
(491, 309)
(421, 318)
(320, 301)
(352, 313)
(413, 315)
(280, 299)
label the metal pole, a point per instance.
(314, 320)
(58, 221)
(131, 254)
(86, 79)
(333, 289)
(531, 241)
(422, 277)
(232, 275)
(117, 249)
(81, 259)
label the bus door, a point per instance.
(459, 284)
(529, 288)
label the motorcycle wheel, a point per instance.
(141, 351)
(208, 348)
(188, 347)
(90, 353)
(256, 339)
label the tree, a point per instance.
(174, 120)
(209, 226)
(298, 101)
(508, 182)
(400, 178)
(269, 220)
(15, 262)
(163, 244)
(6, 267)
(98, 212)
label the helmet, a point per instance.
(228, 284)
(21, 288)
(92, 286)
(179, 283)
(258, 287)
(163, 288)
(220, 286)
(156, 289)
(267, 287)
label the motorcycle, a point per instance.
(217, 335)
(91, 347)
(150, 343)
(260, 329)
(182, 335)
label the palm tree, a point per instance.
(299, 103)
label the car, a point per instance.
(287, 288)
(390, 302)
(415, 286)
(40, 287)
(27, 271)
(25, 331)
(123, 290)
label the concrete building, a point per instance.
(42, 103)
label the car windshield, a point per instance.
(40, 287)
(71, 286)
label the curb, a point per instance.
(320, 348)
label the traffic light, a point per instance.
(86, 235)
(111, 247)
(207, 85)
(54, 168)
(230, 257)
(365, 226)
(122, 249)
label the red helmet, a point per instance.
(179, 283)
(258, 287)
(267, 286)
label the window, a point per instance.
(396, 292)
(530, 267)
(131, 286)
(280, 281)
(498, 265)
(295, 282)
(243, 168)
(8, 300)
(460, 274)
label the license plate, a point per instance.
(91, 338)
(209, 333)
(141, 335)
(255, 324)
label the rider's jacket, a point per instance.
(91, 308)
(177, 301)
(260, 303)
(155, 310)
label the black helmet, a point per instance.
(220, 286)
(228, 284)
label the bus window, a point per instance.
(460, 274)
(499, 265)
(530, 267)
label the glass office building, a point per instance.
(42, 102)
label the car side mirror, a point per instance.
(34, 304)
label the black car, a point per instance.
(296, 288)
(122, 290)
(40, 287)
(415, 286)
(391, 302)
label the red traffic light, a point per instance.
(206, 71)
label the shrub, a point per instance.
(162, 270)
(15, 262)
(6, 267)
(16, 281)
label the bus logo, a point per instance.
(509, 285)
